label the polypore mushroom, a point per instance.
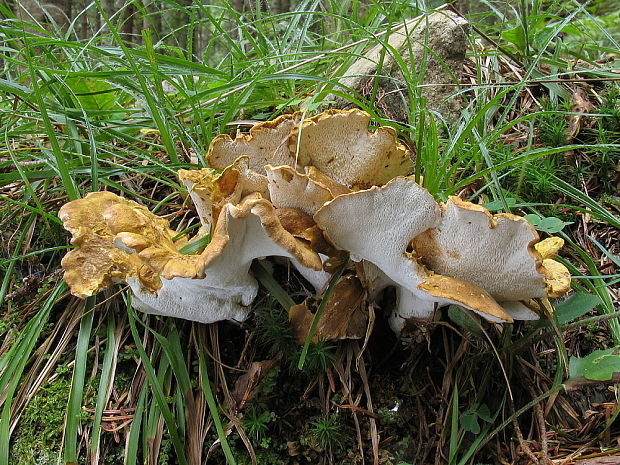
(266, 143)
(96, 262)
(558, 276)
(339, 144)
(336, 143)
(457, 253)
(210, 190)
(378, 224)
(495, 252)
(289, 188)
(302, 226)
(119, 241)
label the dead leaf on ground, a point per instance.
(245, 386)
(579, 104)
(344, 316)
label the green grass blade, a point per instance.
(133, 440)
(61, 163)
(13, 362)
(454, 425)
(155, 110)
(105, 382)
(212, 403)
(317, 316)
(6, 280)
(74, 407)
(269, 283)
(157, 389)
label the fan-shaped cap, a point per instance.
(96, 263)
(339, 144)
(495, 252)
(378, 225)
(210, 190)
(289, 188)
(459, 292)
(549, 247)
(125, 241)
(323, 180)
(557, 276)
(266, 143)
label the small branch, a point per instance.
(593, 319)
(578, 383)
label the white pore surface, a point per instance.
(377, 225)
(495, 259)
(295, 190)
(227, 289)
(519, 311)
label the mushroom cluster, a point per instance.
(311, 191)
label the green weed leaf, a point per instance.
(497, 205)
(95, 94)
(578, 305)
(515, 36)
(469, 422)
(484, 413)
(460, 318)
(550, 224)
(600, 365)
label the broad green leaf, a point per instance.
(603, 367)
(95, 94)
(497, 205)
(533, 219)
(460, 318)
(571, 29)
(469, 422)
(600, 365)
(549, 224)
(515, 36)
(484, 413)
(552, 225)
(578, 305)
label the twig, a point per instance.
(577, 383)
(542, 429)
(593, 319)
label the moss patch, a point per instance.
(39, 432)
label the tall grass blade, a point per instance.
(74, 407)
(158, 392)
(106, 382)
(211, 402)
(133, 438)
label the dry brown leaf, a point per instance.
(579, 104)
(344, 316)
(245, 386)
